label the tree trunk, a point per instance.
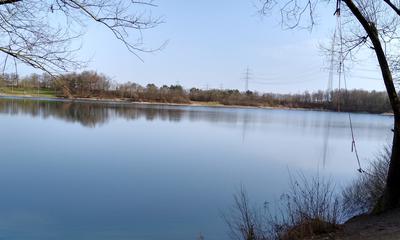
(391, 197)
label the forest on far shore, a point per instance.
(91, 84)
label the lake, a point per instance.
(80, 170)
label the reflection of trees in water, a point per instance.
(87, 114)
(92, 114)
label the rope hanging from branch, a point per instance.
(342, 75)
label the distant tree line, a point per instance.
(91, 84)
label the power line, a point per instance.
(311, 72)
(358, 69)
(284, 82)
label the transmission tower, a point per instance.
(331, 68)
(247, 77)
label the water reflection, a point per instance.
(326, 137)
(85, 113)
(90, 114)
(148, 177)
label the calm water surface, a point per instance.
(107, 171)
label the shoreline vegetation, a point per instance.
(91, 86)
(314, 208)
(190, 104)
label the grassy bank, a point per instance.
(34, 92)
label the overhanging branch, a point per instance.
(8, 1)
(394, 7)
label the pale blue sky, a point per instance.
(212, 42)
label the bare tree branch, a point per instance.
(43, 33)
(8, 1)
(379, 20)
(393, 6)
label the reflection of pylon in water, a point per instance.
(246, 119)
(326, 139)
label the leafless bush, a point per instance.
(245, 222)
(309, 208)
(363, 194)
